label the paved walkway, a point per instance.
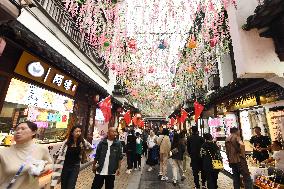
(124, 181)
(149, 180)
(146, 180)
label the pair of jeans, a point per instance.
(212, 178)
(163, 164)
(137, 162)
(239, 169)
(69, 176)
(196, 165)
(100, 180)
(177, 167)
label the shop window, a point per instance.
(27, 102)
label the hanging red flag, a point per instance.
(127, 117)
(183, 116)
(141, 124)
(172, 121)
(178, 119)
(198, 108)
(135, 120)
(105, 107)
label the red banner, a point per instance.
(198, 108)
(183, 116)
(127, 117)
(105, 107)
(172, 122)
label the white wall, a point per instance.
(225, 70)
(255, 56)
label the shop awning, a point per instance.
(24, 38)
(243, 87)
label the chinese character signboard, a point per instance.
(37, 70)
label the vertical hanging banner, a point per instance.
(183, 116)
(198, 108)
(105, 107)
(127, 117)
(172, 121)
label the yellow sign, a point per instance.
(37, 70)
(244, 102)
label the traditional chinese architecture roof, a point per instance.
(265, 14)
(22, 36)
(270, 17)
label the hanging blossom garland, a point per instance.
(209, 41)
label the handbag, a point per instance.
(216, 163)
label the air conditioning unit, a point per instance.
(8, 10)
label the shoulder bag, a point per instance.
(216, 163)
(20, 170)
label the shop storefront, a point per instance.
(39, 93)
(261, 105)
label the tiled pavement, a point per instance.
(148, 180)
(86, 177)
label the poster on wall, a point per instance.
(101, 127)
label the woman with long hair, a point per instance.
(210, 151)
(22, 163)
(153, 151)
(72, 152)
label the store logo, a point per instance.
(36, 69)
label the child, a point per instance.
(139, 144)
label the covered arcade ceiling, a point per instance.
(162, 51)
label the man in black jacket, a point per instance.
(107, 161)
(194, 144)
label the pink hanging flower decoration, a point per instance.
(213, 42)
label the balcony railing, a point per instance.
(63, 19)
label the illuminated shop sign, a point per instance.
(243, 102)
(20, 92)
(37, 70)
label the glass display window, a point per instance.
(27, 102)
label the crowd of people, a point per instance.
(160, 146)
(26, 159)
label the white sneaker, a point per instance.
(135, 169)
(150, 169)
(164, 178)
